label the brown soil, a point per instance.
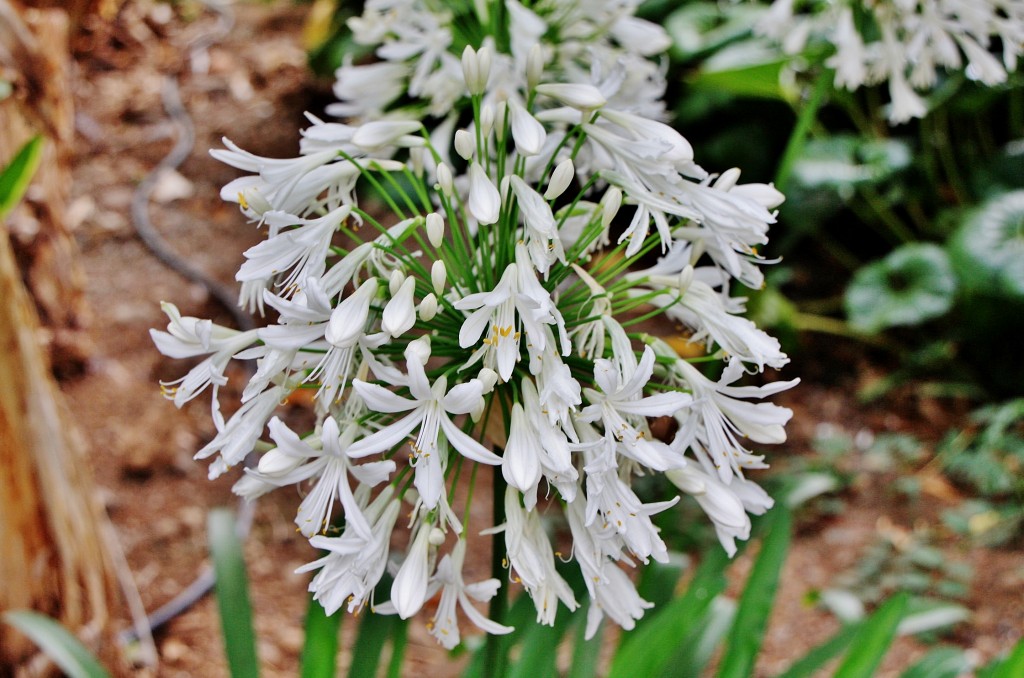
(254, 92)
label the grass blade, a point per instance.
(807, 665)
(872, 640)
(374, 630)
(66, 651)
(1011, 667)
(540, 647)
(941, 662)
(399, 635)
(320, 649)
(585, 653)
(15, 178)
(747, 633)
(232, 588)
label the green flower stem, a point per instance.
(494, 651)
(797, 140)
(950, 164)
(895, 225)
(809, 322)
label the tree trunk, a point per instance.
(36, 45)
(53, 557)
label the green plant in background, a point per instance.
(16, 176)
(989, 460)
(681, 638)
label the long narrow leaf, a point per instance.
(540, 647)
(585, 653)
(657, 585)
(66, 651)
(399, 636)
(747, 632)
(812, 661)
(941, 662)
(374, 630)
(873, 638)
(232, 590)
(1012, 666)
(650, 649)
(320, 650)
(15, 178)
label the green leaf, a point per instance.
(649, 650)
(320, 651)
(1012, 666)
(748, 68)
(872, 640)
(585, 653)
(15, 178)
(66, 651)
(988, 248)
(232, 588)
(914, 283)
(755, 606)
(941, 662)
(809, 664)
(374, 630)
(540, 647)
(844, 162)
(657, 585)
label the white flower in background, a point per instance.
(904, 44)
(485, 316)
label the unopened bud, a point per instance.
(561, 177)
(395, 283)
(728, 179)
(534, 66)
(488, 378)
(435, 229)
(444, 179)
(486, 121)
(464, 144)
(438, 276)
(428, 308)
(610, 204)
(685, 278)
(436, 537)
(470, 69)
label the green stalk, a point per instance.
(797, 140)
(495, 651)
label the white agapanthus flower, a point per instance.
(488, 322)
(904, 44)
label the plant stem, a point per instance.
(494, 652)
(808, 114)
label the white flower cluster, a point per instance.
(904, 42)
(599, 42)
(487, 321)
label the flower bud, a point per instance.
(610, 204)
(348, 319)
(470, 69)
(483, 64)
(444, 178)
(435, 229)
(486, 121)
(576, 95)
(488, 378)
(428, 308)
(373, 135)
(436, 537)
(464, 144)
(534, 66)
(438, 276)
(397, 278)
(727, 179)
(561, 177)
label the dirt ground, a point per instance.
(254, 91)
